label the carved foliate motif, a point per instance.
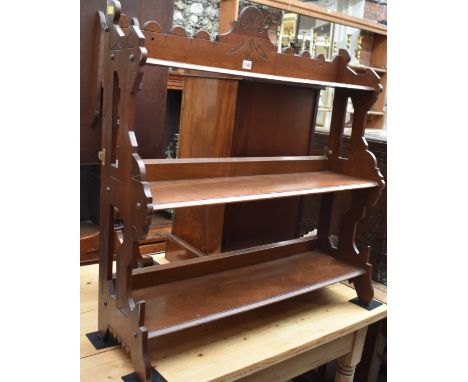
(250, 34)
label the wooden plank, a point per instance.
(193, 168)
(181, 249)
(201, 264)
(198, 192)
(211, 118)
(206, 128)
(322, 13)
(183, 304)
(228, 12)
(238, 346)
(272, 120)
(260, 77)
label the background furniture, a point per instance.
(224, 117)
(374, 42)
(150, 113)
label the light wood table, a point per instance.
(276, 343)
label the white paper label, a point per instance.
(247, 64)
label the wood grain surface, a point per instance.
(197, 192)
(236, 347)
(186, 303)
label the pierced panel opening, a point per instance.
(115, 121)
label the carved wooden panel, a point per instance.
(373, 229)
(247, 47)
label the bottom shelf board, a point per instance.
(187, 303)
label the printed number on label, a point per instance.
(247, 64)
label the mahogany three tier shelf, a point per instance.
(137, 305)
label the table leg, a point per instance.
(347, 363)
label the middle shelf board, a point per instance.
(206, 191)
(187, 303)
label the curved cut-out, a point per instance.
(152, 26)
(179, 31)
(203, 35)
(343, 55)
(305, 54)
(288, 50)
(320, 57)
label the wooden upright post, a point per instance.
(228, 12)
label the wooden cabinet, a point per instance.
(231, 118)
(137, 305)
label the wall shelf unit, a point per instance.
(140, 304)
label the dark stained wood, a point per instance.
(180, 249)
(274, 120)
(90, 129)
(373, 229)
(151, 100)
(248, 40)
(154, 241)
(124, 56)
(89, 242)
(199, 226)
(175, 80)
(196, 291)
(197, 192)
(206, 127)
(228, 12)
(266, 78)
(89, 192)
(206, 264)
(195, 168)
(211, 118)
(150, 106)
(182, 304)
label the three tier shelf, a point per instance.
(140, 304)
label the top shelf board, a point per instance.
(246, 52)
(252, 76)
(207, 191)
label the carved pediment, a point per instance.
(249, 33)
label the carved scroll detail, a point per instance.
(123, 187)
(249, 33)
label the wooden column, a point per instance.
(347, 363)
(228, 11)
(206, 129)
(379, 60)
